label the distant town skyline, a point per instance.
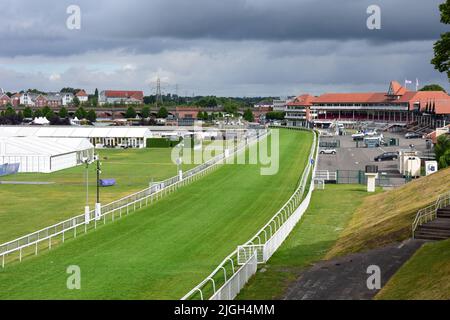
(223, 48)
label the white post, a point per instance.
(371, 177)
(98, 211)
(180, 174)
(86, 215)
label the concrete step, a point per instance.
(444, 233)
(430, 237)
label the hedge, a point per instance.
(161, 143)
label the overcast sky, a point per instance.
(224, 48)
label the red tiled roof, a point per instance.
(81, 93)
(302, 100)
(439, 99)
(139, 95)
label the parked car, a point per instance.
(413, 135)
(328, 151)
(358, 136)
(387, 156)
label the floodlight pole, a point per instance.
(179, 162)
(98, 180)
(86, 208)
(98, 205)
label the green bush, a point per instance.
(161, 143)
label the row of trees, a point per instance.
(10, 116)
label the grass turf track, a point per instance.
(28, 208)
(163, 251)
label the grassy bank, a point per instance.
(387, 217)
(425, 276)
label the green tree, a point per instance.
(63, 113)
(49, 114)
(441, 58)
(45, 111)
(76, 102)
(248, 115)
(162, 113)
(37, 113)
(91, 116)
(442, 151)
(432, 87)
(131, 113)
(27, 112)
(275, 115)
(10, 112)
(145, 112)
(20, 116)
(80, 113)
(96, 93)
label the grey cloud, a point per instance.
(153, 26)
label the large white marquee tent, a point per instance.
(134, 137)
(44, 155)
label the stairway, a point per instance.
(438, 229)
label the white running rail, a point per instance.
(261, 247)
(50, 236)
(429, 213)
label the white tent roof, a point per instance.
(74, 132)
(41, 120)
(29, 146)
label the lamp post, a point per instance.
(180, 161)
(87, 161)
(98, 205)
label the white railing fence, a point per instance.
(48, 237)
(238, 280)
(325, 175)
(261, 247)
(429, 213)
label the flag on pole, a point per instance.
(408, 82)
(417, 84)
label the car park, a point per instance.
(387, 156)
(328, 151)
(413, 135)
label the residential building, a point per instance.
(82, 96)
(4, 99)
(121, 97)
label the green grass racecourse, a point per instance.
(28, 208)
(161, 252)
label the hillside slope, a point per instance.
(425, 276)
(387, 217)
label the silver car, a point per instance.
(328, 151)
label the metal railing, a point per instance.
(48, 237)
(325, 175)
(429, 213)
(261, 247)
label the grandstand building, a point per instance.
(397, 105)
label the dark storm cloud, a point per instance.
(38, 27)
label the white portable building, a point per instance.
(45, 155)
(134, 137)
